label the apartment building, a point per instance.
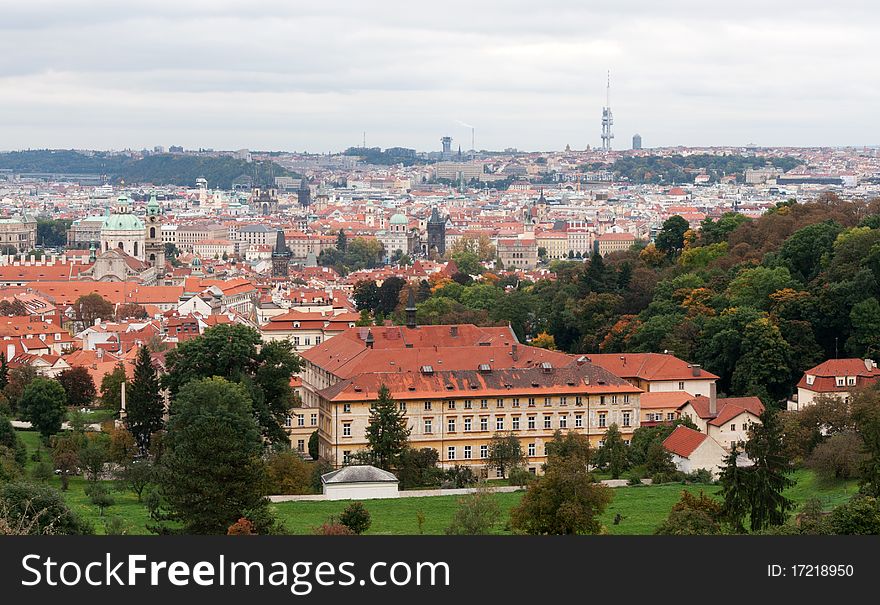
(459, 385)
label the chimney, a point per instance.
(369, 340)
(695, 369)
(453, 331)
(514, 351)
(713, 400)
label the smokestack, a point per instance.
(713, 400)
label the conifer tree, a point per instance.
(144, 405)
(387, 432)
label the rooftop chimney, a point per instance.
(713, 400)
(369, 339)
(514, 351)
(453, 331)
(695, 369)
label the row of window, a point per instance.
(307, 341)
(516, 424)
(301, 420)
(658, 416)
(468, 404)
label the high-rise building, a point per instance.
(607, 119)
(637, 141)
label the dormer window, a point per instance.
(840, 380)
(851, 381)
(810, 379)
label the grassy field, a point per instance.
(642, 508)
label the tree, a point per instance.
(544, 341)
(314, 441)
(756, 490)
(28, 508)
(693, 516)
(859, 516)
(78, 386)
(865, 319)
(65, 458)
(476, 515)
(341, 241)
(19, 379)
(42, 403)
(93, 456)
(111, 387)
(4, 372)
(100, 496)
(288, 473)
(418, 468)
(138, 475)
(145, 407)
(505, 452)
(670, 239)
(237, 353)
(11, 443)
(366, 295)
(566, 500)
(356, 517)
(131, 311)
(866, 415)
(839, 457)
(210, 474)
(89, 308)
(387, 433)
(612, 455)
(122, 448)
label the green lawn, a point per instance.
(642, 508)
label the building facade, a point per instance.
(19, 233)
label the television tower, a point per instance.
(607, 120)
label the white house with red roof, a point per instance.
(693, 450)
(724, 420)
(837, 377)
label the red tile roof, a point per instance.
(826, 373)
(683, 441)
(649, 366)
(727, 408)
(660, 400)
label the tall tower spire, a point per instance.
(607, 119)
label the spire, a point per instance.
(411, 310)
(369, 340)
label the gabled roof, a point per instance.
(649, 366)
(683, 441)
(826, 373)
(663, 399)
(726, 408)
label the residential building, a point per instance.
(837, 377)
(654, 372)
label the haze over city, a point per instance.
(294, 76)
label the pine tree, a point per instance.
(736, 486)
(4, 372)
(613, 453)
(770, 469)
(387, 432)
(144, 408)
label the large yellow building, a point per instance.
(459, 386)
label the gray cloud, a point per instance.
(297, 75)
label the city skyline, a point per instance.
(231, 75)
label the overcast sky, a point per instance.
(313, 76)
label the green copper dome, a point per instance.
(399, 219)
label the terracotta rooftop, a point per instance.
(683, 441)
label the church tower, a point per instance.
(154, 248)
(436, 228)
(280, 256)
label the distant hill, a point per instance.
(160, 169)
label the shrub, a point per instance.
(476, 515)
(459, 476)
(701, 475)
(27, 508)
(288, 473)
(242, 527)
(520, 476)
(115, 526)
(356, 517)
(859, 516)
(333, 529)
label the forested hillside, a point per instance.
(160, 169)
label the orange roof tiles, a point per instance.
(649, 366)
(683, 441)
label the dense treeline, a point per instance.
(160, 169)
(755, 301)
(682, 169)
